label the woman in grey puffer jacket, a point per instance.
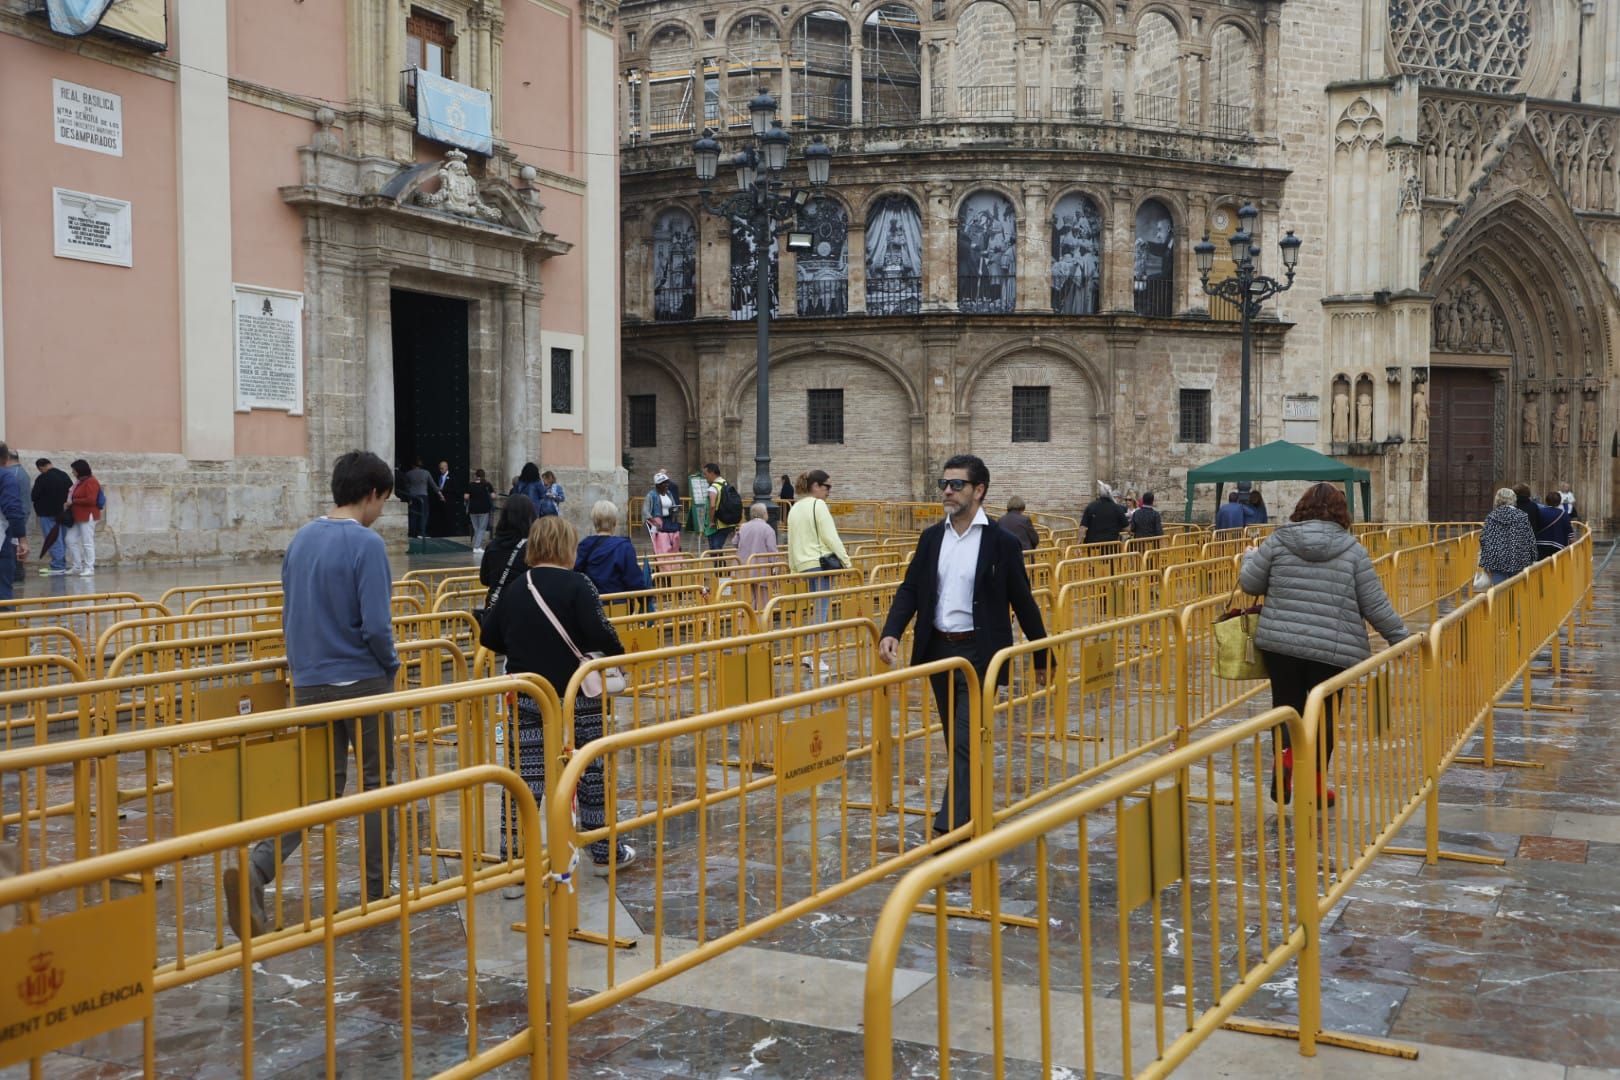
(1321, 590)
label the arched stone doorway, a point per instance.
(1519, 372)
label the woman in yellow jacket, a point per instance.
(813, 542)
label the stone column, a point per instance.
(645, 90)
(1020, 58)
(785, 58)
(939, 248)
(857, 81)
(1119, 253)
(714, 373)
(1203, 92)
(787, 270)
(714, 266)
(856, 247)
(952, 79)
(1196, 225)
(1184, 113)
(939, 395)
(379, 364)
(1034, 263)
(925, 98)
(1128, 65)
(515, 384)
(1046, 83)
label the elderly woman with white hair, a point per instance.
(1507, 543)
(607, 559)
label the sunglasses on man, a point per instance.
(954, 483)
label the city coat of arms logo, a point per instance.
(42, 980)
(815, 745)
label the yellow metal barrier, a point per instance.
(730, 858)
(641, 631)
(29, 723)
(40, 640)
(225, 603)
(457, 626)
(106, 949)
(466, 581)
(1194, 581)
(1170, 884)
(1083, 602)
(887, 574)
(87, 623)
(230, 636)
(1090, 568)
(623, 603)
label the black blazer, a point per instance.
(1000, 582)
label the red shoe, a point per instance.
(1282, 784)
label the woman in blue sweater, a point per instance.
(609, 560)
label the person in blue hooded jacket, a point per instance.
(607, 559)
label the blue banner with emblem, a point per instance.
(76, 17)
(450, 112)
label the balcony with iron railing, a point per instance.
(822, 298)
(676, 304)
(1155, 297)
(986, 294)
(1158, 110)
(894, 294)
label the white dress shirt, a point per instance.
(958, 566)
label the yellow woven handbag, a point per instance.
(1235, 655)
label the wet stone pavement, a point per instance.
(1508, 971)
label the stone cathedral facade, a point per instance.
(1003, 261)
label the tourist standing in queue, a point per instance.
(607, 558)
(1146, 520)
(1525, 500)
(480, 500)
(338, 592)
(554, 491)
(813, 540)
(1104, 519)
(85, 503)
(1255, 509)
(1231, 515)
(418, 482)
(1507, 543)
(1321, 591)
(1555, 530)
(546, 620)
(661, 514)
(1017, 522)
(25, 491)
(14, 547)
(961, 581)
(530, 484)
(50, 496)
(756, 545)
(503, 559)
(785, 495)
(725, 509)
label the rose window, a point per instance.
(1467, 44)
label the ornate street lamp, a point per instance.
(767, 208)
(1248, 289)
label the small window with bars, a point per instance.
(1194, 416)
(643, 420)
(826, 416)
(1032, 414)
(562, 380)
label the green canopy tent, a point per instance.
(1282, 461)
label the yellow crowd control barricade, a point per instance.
(127, 948)
(624, 603)
(888, 574)
(225, 603)
(37, 720)
(457, 626)
(1146, 874)
(1161, 559)
(179, 598)
(1111, 693)
(41, 640)
(30, 604)
(640, 631)
(230, 636)
(416, 589)
(431, 578)
(1086, 602)
(458, 595)
(1092, 567)
(224, 747)
(465, 581)
(1225, 549)
(87, 622)
(737, 847)
(1199, 580)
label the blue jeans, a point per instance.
(57, 551)
(8, 569)
(1497, 579)
(821, 584)
(418, 516)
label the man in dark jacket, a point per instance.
(1104, 519)
(14, 547)
(50, 496)
(1015, 522)
(1145, 520)
(959, 585)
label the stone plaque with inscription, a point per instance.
(94, 228)
(269, 350)
(88, 118)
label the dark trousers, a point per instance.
(372, 738)
(418, 517)
(8, 569)
(720, 537)
(1292, 680)
(956, 802)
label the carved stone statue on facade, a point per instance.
(458, 191)
(1560, 421)
(1341, 413)
(1498, 335)
(1589, 420)
(1420, 412)
(1364, 410)
(1530, 427)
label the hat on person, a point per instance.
(1104, 491)
(660, 477)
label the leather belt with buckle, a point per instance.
(955, 635)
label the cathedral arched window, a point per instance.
(1077, 54)
(821, 86)
(1231, 80)
(987, 254)
(1158, 71)
(822, 273)
(986, 62)
(1077, 248)
(893, 257)
(1468, 44)
(891, 67)
(674, 266)
(745, 272)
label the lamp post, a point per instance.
(767, 208)
(1248, 289)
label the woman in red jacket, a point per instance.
(84, 510)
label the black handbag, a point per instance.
(831, 562)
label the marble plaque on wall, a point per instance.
(94, 228)
(269, 350)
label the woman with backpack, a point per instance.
(85, 503)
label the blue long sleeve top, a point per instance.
(337, 614)
(13, 508)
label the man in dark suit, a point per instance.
(964, 577)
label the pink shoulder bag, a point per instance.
(595, 682)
